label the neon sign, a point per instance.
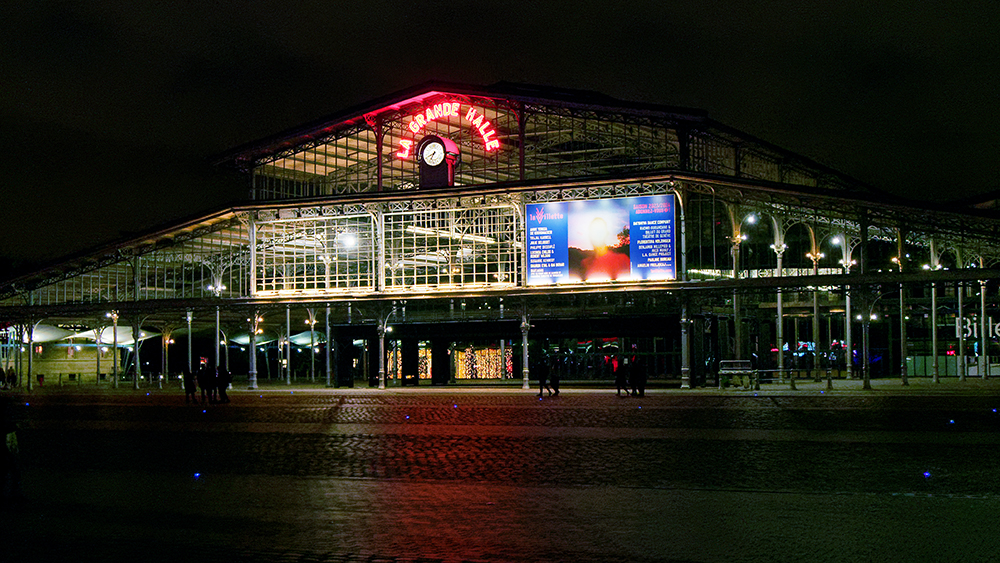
(477, 121)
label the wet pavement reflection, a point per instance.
(502, 476)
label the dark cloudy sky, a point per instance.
(110, 109)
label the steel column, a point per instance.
(31, 353)
(252, 371)
(114, 346)
(525, 327)
(190, 367)
(218, 331)
(288, 345)
(135, 352)
(329, 343)
(983, 359)
(962, 367)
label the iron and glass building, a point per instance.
(450, 233)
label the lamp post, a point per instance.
(98, 341)
(779, 248)
(165, 363)
(217, 288)
(898, 260)
(865, 342)
(329, 368)
(525, 328)
(283, 360)
(737, 238)
(136, 335)
(288, 344)
(189, 317)
(311, 322)
(815, 256)
(224, 343)
(847, 246)
(935, 264)
(113, 315)
(254, 331)
(984, 360)
(382, 329)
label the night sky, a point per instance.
(110, 111)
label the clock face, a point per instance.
(433, 153)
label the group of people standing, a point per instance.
(8, 379)
(630, 377)
(213, 385)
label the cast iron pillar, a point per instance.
(525, 327)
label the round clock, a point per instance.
(433, 153)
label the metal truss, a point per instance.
(540, 139)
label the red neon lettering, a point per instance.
(443, 110)
(404, 148)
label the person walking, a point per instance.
(543, 377)
(205, 384)
(10, 464)
(621, 375)
(637, 375)
(213, 386)
(554, 373)
(190, 388)
(222, 384)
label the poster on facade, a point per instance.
(628, 239)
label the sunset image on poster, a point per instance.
(598, 241)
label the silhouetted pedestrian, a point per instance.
(637, 376)
(222, 384)
(10, 467)
(621, 376)
(543, 377)
(213, 386)
(205, 383)
(190, 388)
(554, 374)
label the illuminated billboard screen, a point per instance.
(629, 239)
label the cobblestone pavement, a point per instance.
(499, 475)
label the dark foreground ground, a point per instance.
(499, 475)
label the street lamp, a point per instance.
(737, 238)
(846, 261)
(382, 329)
(865, 340)
(113, 315)
(311, 322)
(189, 317)
(165, 362)
(815, 255)
(224, 342)
(254, 331)
(217, 289)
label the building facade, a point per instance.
(454, 233)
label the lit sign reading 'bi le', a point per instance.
(476, 120)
